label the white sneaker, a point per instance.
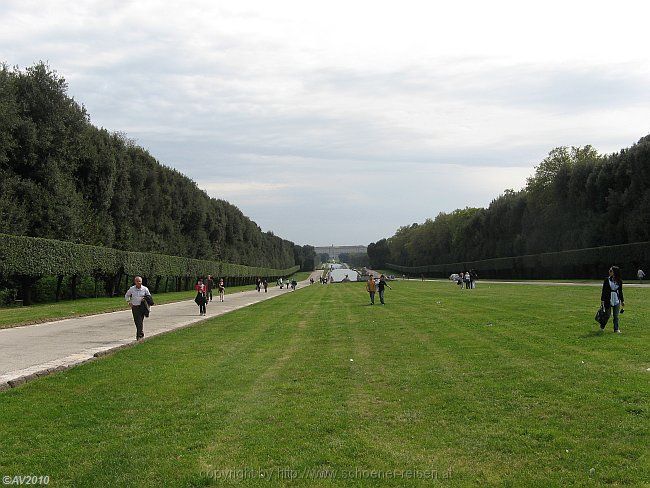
(619, 331)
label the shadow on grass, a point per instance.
(593, 334)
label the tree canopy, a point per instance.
(63, 178)
(576, 199)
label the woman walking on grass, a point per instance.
(611, 297)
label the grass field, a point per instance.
(44, 312)
(506, 385)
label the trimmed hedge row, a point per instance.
(36, 257)
(590, 262)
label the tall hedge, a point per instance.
(29, 258)
(590, 262)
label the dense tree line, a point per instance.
(577, 198)
(63, 178)
(356, 260)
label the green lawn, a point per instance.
(44, 312)
(504, 385)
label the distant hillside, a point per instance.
(63, 178)
(577, 198)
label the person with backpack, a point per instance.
(611, 298)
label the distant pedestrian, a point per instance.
(311, 280)
(294, 283)
(640, 274)
(265, 284)
(258, 284)
(280, 283)
(467, 280)
(201, 298)
(473, 276)
(372, 288)
(210, 285)
(136, 295)
(611, 297)
(222, 289)
(380, 287)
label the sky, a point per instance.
(337, 122)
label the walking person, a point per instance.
(372, 288)
(467, 281)
(380, 287)
(222, 289)
(258, 284)
(640, 274)
(135, 296)
(265, 283)
(201, 297)
(611, 297)
(210, 284)
(473, 276)
(294, 283)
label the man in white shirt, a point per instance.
(134, 296)
(640, 274)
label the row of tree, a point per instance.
(577, 198)
(63, 178)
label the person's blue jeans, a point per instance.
(381, 296)
(608, 311)
(372, 297)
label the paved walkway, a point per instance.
(35, 350)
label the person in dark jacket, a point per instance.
(209, 283)
(381, 287)
(201, 296)
(611, 297)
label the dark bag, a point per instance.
(149, 300)
(144, 307)
(200, 299)
(601, 316)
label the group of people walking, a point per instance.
(204, 292)
(140, 300)
(262, 283)
(139, 297)
(290, 284)
(467, 280)
(374, 285)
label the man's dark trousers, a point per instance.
(138, 318)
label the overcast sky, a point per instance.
(339, 121)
